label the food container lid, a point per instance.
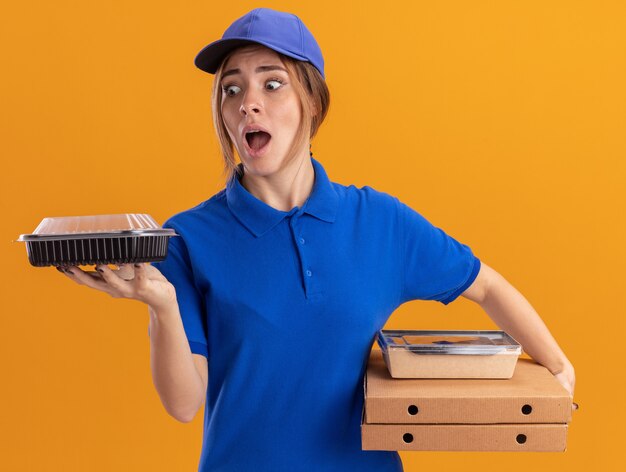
(96, 226)
(448, 342)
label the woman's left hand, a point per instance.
(567, 378)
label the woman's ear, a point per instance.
(314, 108)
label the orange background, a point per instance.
(501, 122)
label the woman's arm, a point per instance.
(508, 308)
(179, 376)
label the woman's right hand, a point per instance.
(141, 282)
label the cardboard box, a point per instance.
(528, 412)
(462, 437)
(532, 395)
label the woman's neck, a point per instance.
(288, 188)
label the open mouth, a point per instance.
(257, 140)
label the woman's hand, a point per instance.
(567, 378)
(136, 281)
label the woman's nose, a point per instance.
(250, 103)
(249, 109)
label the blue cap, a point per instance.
(283, 32)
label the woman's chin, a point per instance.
(261, 163)
(261, 166)
(269, 162)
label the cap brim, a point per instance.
(211, 56)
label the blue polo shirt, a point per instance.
(286, 305)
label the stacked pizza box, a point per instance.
(460, 391)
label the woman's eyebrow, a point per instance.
(257, 70)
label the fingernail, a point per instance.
(137, 265)
(69, 271)
(99, 270)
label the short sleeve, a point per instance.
(436, 266)
(177, 270)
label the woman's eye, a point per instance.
(231, 90)
(273, 84)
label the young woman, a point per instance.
(278, 284)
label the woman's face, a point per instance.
(257, 94)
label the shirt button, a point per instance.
(301, 240)
(309, 273)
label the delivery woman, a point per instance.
(278, 283)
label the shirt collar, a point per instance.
(259, 217)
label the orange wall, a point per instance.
(501, 122)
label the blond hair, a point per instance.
(314, 97)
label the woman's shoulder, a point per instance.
(207, 212)
(366, 195)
